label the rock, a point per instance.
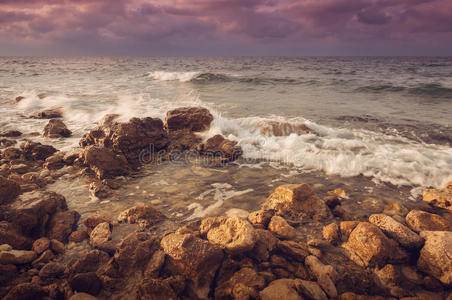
(196, 259)
(100, 234)
(419, 221)
(310, 289)
(191, 118)
(52, 270)
(86, 283)
(36, 151)
(82, 296)
(233, 234)
(9, 190)
(17, 257)
(7, 273)
(402, 234)
(145, 215)
(332, 201)
(57, 246)
(260, 218)
(280, 289)
(89, 262)
(26, 291)
(347, 228)
(296, 201)
(94, 220)
(55, 129)
(19, 98)
(62, 224)
(41, 245)
(274, 128)
(247, 277)
(78, 236)
(326, 275)
(11, 133)
(266, 242)
(10, 234)
(105, 163)
(368, 246)
(155, 264)
(281, 228)
(45, 257)
(223, 148)
(331, 233)
(54, 162)
(296, 250)
(436, 255)
(49, 114)
(439, 197)
(70, 157)
(156, 289)
(99, 190)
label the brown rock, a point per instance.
(419, 221)
(438, 197)
(62, 224)
(155, 264)
(368, 246)
(49, 114)
(105, 163)
(41, 245)
(52, 270)
(94, 220)
(223, 148)
(7, 273)
(10, 234)
(310, 289)
(100, 234)
(280, 289)
(347, 228)
(266, 242)
(16, 257)
(156, 289)
(55, 162)
(296, 201)
(45, 257)
(55, 129)
(436, 255)
(90, 262)
(26, 291)
(402, 234)
(36, 151)
(326, 275)
(145, 215)
(331, 233)
(260, 218)
(191, 118)
(86, 283)
(9, 189)
(281, 228)
(247, 277)
(78, 236)
(11, 133)
(57, 246)
(295, 250)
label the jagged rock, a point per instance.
(399, 232)
(436, 255)
(92, 221)
(331, 233)
(52, 270)
(41, 245)
(196, 259)
(233, 234)
(223, 148)
(296, 201)
(100, 234)
(11, 133)
(70, 157)
(78, 236)
(281, 228)
(439, 197)
(10, 234)
(274, 128)
(419, 221)
(105, 163)
(55, 129)
(266, 242)
(296, 250)
(145, 215)
(9, 190)
(260, 218)
(368, 246)
(62, 224)
(25, 291)
(86, 283)
(36, 151)
(191, 118)
(310, 289)
(247, 277)
(326, 275)
(280, 289)
(55, 162)
(16, 257)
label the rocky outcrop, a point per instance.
(36, 151)
(104, 162)
(439, 197)
(419, 220)
(56, 129)
(9, 189)
(221, 148)
(192, 118)
(295, 202)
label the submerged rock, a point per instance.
(246, 279)
(145, 215)
(191, 118)
(220, 147)
(11, 133)
(419, 220)
(55, 129)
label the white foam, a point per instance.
(173, 76)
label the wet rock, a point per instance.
(145, 215)
(11, 153)
(100, 234)
(155, 264)
(89, 262)
(92, 221)
(105, 163)
(26, 291)
(70, 157)
(252, 282)
(78, 236)
(233, 234)
(86, 283)
(280, 289)
(62, 224)
(274, 128)
(331, 233)
(182, 140)
(54, 162)
(296, 250)
(19, 98)
(266, 242)
(10, 234)
(346, 228)
(9, 189)
(57, 246)
(49, 114)
(11, 133)
(281, 228)
(419, 221)
(55, 129)
(310, 289)
(368, 246)
(41, 245)
(194, 258)
(436, 255)
(99, 190)
(36, 151)
(439, 197)
(402, 234)
(326, 275)
(191, 118)
(260, 218)
(7, 272)
(220, 147)
(16, 257)
(156, 289)
(296, 201)
(44, 258)
(82, 296)
(52, 270)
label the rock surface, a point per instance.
(55, 129)
(144, 215)
(280, 289)
(105, 163)
(419, 220)
(9, 189)
(439, 197)
(281, 228)
(100, 234)
(16, 257)
(191, 118)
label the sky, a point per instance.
(220, 27)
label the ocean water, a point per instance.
(387, 119)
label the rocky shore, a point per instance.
(398, 253)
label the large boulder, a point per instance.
(419, 220)
(296, 201)
(62, 224)
(436, 255)
(397, 231)
(36, 151)
(196, 259)
(55, 129)
(9, 189)
(368, 246)
(105, 163)
(439, 197)
(281, 228)
(191, 118)
(11, 234)
(233, 234)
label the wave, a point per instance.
(188, 76)
(433, 90)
